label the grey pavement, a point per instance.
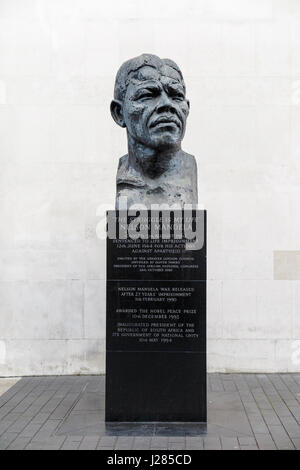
(245, 412)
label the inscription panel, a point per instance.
(156, 316)
(153, 259)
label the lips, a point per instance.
(165, 120)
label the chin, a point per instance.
(165, 140)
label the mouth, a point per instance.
(165, 120)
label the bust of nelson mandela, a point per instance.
(150, 102)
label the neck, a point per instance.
(150, 161)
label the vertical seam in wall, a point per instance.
(291, 294)
(293, 309)
(83, 309)
(222, 311)
(291, 25)
(256, 308)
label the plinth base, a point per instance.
(156, 323)
(156, 386)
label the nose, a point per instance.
(165, 103)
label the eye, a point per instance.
(145, 96)
(178, 97)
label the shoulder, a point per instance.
(189, 160)
(123, 161)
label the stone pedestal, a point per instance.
(156, 326)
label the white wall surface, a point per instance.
(59, 150)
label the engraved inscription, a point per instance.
(153, 316)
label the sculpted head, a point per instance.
(149, 100)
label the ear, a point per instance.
(116, 109)
(188, 103)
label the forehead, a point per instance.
(147, 73)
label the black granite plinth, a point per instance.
(156, 326)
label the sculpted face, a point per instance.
(155, 107)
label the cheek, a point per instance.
(184, 109)
(131, 111)
(138, 116)
(135, 113)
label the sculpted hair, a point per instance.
(127, 70)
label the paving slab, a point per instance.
(245, 411)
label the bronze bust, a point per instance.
(150, 101)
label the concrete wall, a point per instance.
(59, 150)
